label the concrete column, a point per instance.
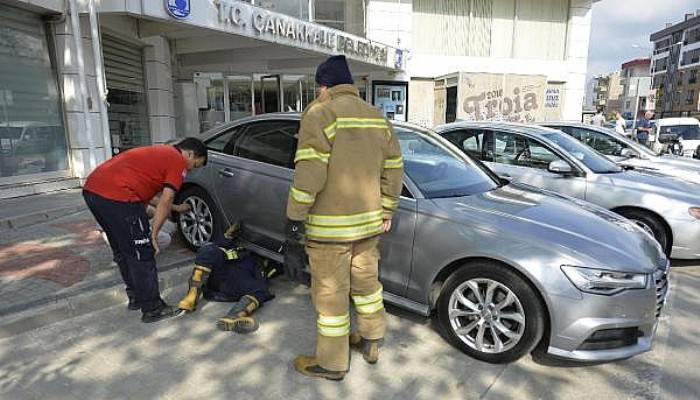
(68, 66)
(159, 87)
(578, 38)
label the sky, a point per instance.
(620, 29)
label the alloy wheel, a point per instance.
(486, 315)
(197, 225)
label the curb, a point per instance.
(96, 296)
(22, 221)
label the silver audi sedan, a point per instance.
(503, 267)
(629, 153)
(665, 207)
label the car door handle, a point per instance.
(227, 173)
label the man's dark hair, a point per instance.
(196, 146)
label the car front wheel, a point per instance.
(490, 313)
(202, 223)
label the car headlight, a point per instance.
(599, 281)
(694, 212)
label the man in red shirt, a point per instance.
(117, 193)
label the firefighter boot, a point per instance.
(239, 317)
(368, 348)
(308, 366)
(198, 279)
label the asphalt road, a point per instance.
(112, 355)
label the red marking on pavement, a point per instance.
(55, 264)
(86, 229)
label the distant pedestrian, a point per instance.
(598, 119)
(645, 128)
(117, 193)
(620, 123)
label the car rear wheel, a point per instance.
(651, 225)
(490, 313)
(202, 223)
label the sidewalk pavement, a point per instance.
(55, 257)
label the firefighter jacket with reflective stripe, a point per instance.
(349, 169)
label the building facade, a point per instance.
(608, 92)
(675, 66)
(85, 79)
(636, 86)
(462, 50)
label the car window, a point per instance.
(471, 141)
(514, 149)
(600, 142)
(438, 171)
(223, 142)
(687, 132)
(271, 142)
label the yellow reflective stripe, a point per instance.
(334, 332)
(344, 220)
(301, 196)
(333, 320)
(333, 326)
(370, 308)
(359, 123)
(330, 130)
(348, 232)
(369, 298)
(311, 154)
(390, 203)
(391, 163)
(231, 254)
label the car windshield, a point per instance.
(438, 171)
(619, 138)
(592, 159)
(687, 132)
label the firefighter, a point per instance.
(226, 272)
(347, 183)
(117, 192)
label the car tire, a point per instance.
(651, 224)
(518, 336)
(204, 216)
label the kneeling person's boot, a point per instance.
(200, 275)
(309, 366)
(239, 318)
(368, 348)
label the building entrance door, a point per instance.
(270, 94)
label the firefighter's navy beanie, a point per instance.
(334, 71)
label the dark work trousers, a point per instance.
(129, 233)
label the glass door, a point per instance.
(270, 94)
(240, 99)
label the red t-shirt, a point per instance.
(138, 174)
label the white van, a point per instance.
(688, 130)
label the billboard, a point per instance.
(507, 97)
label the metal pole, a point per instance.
(636, 110)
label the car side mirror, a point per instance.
(628, 153)
(560, 167)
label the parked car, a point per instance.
(688, 129)
(667, 208)
(503, 266)
(629, 153)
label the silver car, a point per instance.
(503, 266)
(665, 207)
(629, 153)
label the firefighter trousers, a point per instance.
(340, 272)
